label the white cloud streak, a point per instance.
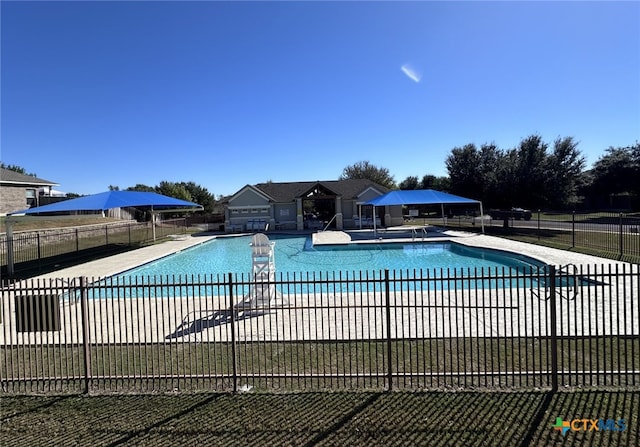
(411, 73)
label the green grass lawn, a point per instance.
(305, 419)
(462, 363)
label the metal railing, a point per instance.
(614, 235)
(37, 250)
(383, 330)
(330, 222)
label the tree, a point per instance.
(531, 172)
(438, 183)
(526, 175)
(428, 182)
(464, 174)
(410, 182)
(480, 173)
(15, 168)
(189, 191)
(490, 162)
(142, 188)
(201, 196)
(617, 171)
(565, 166)
(365, 170)
(176, 190)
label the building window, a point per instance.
(32, 200)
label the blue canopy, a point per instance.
(115, 199)
(418, 197)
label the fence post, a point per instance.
(621, 238)
(234, 360)
(39, 248)
(85, 333)
(77, 241)
(573, 229)
(388, 315)
(538, 224)
(554, 330)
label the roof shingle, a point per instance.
(289, 191)
(9, 177)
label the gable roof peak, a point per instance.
(289, 191)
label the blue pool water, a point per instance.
(446, 264)
(295, 254)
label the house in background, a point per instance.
(337, 204)
(20, 191)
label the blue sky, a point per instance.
(226, 94)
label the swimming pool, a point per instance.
(295, 254)
(205, 268)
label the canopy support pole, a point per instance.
(153, 223)
(481, 218)
(444, 220)
(375, 232)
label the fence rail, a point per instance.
(614, 235)
(37, 250)
(544, 328)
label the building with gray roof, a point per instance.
(19, 191)
(315, 205)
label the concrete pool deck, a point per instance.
(112, 265)
(122, 262)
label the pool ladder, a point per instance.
(568, 291)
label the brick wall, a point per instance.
(12, 199)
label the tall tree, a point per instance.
(526, 175)
(410, 182)
(365, 170)
(565, 166)
(201, 196)
(505, 193)
(464, 174)
(490, 160)
(432, 182)
(531, 172)
(176, 190)
(142, 188)
(428, 181)
(618, 171)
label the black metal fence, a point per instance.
(37, 250)
(614, 235)
(386, 330)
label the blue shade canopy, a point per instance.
(419, 197)
(115, 199)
